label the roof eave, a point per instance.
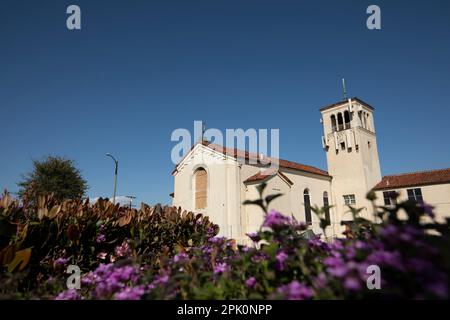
(346, 101)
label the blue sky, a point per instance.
(140, 69)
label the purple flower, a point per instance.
(428, 209)
(352, 283)
(60, 261)
(320, 281)
(159, 280)
(217, 240)
(386, 258)
(319, 244)
(389, 231)
(276, 220)
(100, 238)
(109, 279)
(130, 293)
(251, 282)
(336, 267)
(180, 257)
(221, 268)
(70, 294)
(254, 236)
(295, 291)
(281, 258)
(258, 257)
(123, 250)
(439, 289)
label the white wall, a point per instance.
(223, 190)
(437, 195)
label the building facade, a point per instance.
(215, 180)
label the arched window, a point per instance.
(365, 120)
(340, 122)
(307, 202)
(326, 206)
(368, 121)
(201, 183)
(347, 119)
(333, 123)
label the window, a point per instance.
(326, 206)
(389, 198)
(347, 119)
(349, 199)
(201, 182)
(307, 203)
(340, 122)
(333, 123)
(415, 194)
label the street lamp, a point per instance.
(115, 175)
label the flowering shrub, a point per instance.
(37, 244)
(283, 262)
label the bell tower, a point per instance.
(350, 143)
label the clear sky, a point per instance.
(137, 70)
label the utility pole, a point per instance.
(131, 201)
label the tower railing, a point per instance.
(341, 127)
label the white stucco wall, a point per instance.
(254, 214)
(317, 185)
(223, 189)
(226, 191)
(437, 195)
(355, 169)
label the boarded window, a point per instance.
(201, 182)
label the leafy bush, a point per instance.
(281, 263)
(37, 244)
(412, 254)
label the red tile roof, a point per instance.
(261, 177)
(414, 179)
(346, 101)
(302, 167)
(236, 153)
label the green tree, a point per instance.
(54, 175)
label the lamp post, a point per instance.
(115, 175)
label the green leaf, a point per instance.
(261, 188)
(272, 197)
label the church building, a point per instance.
(215, 180)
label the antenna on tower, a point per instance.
(203, 130)
(344, 90)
